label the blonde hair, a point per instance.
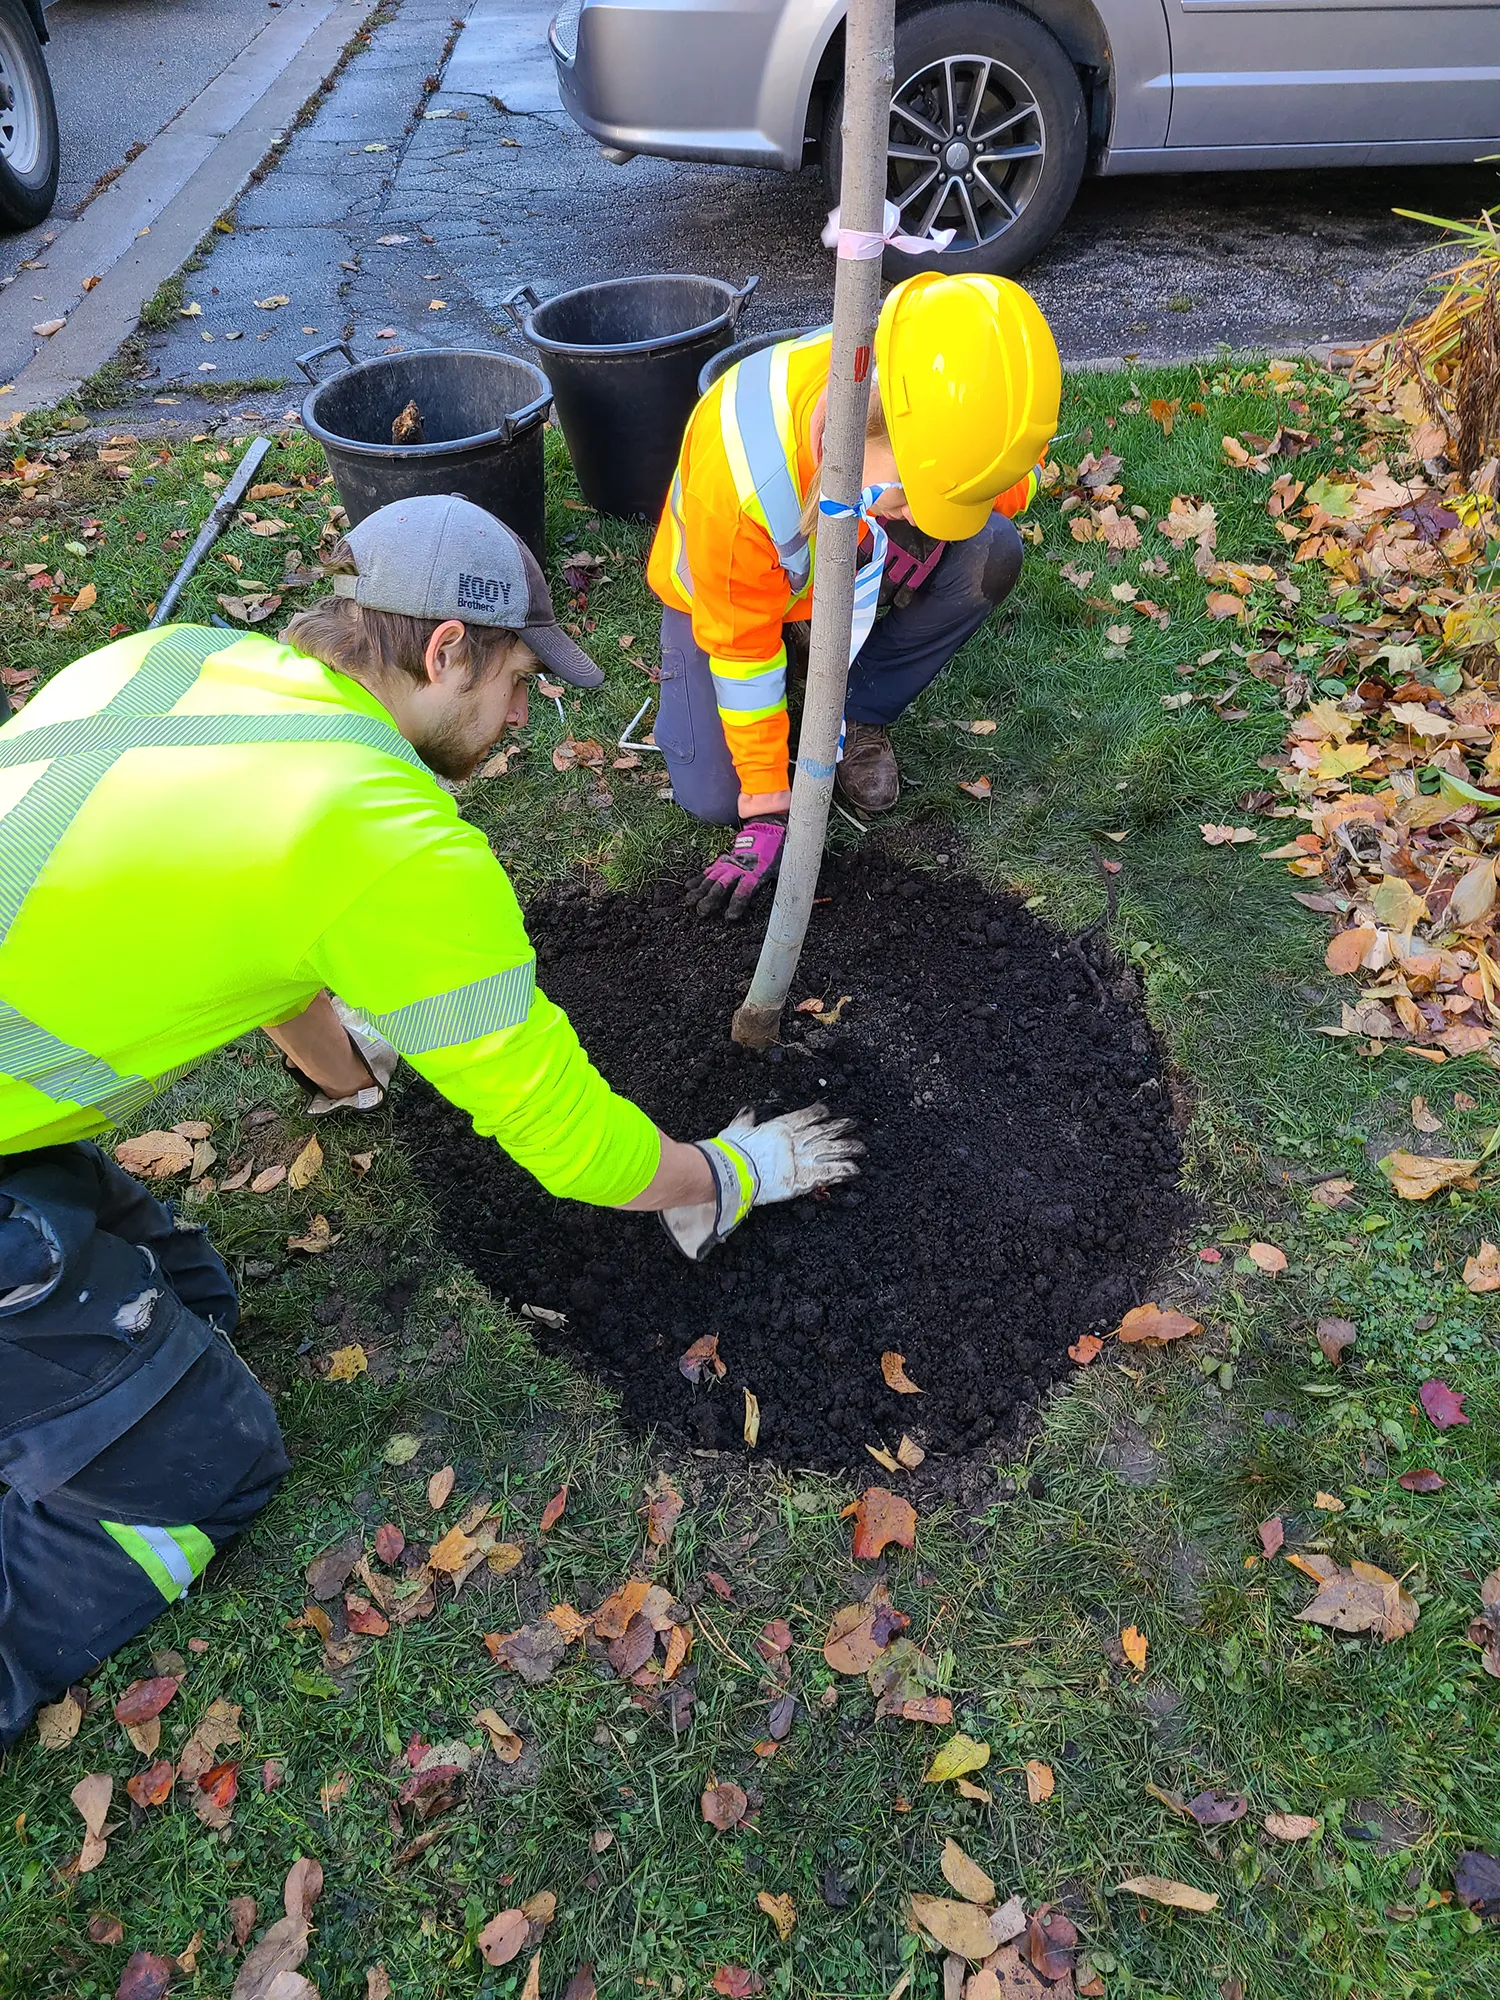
(366, 644)
(875, 427)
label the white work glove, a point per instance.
(753, 1164)
(379, 1057)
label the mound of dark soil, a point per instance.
(1020, 1185)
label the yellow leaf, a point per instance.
(319, 1238)
(452, 1552)
(1328, 1503)
(957, 1757)
(752, 1420)
(87, 596)
(781, 1910)
(1134, 1645)
(307, 1165)
(963, 1928)
(346, 1362)
(57, 1724)
(1415, 1178)
(966, 1876)
(1041, 1782)
(893, 1368)
(504, 1741)
(1180, 1895)
(975, 1792)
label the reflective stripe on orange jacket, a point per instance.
(728, 550)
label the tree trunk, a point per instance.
(870, 34)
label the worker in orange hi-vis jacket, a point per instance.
(962, 407)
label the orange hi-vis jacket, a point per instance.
(730, 551)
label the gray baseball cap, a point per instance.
(439, 556)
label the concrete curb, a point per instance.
(150, 220)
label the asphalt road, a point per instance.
(120, 69)
(492, 185)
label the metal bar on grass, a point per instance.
(218, 520)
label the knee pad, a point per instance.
(1002, 559)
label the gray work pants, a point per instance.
(905, 652)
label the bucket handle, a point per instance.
(514, 299)
(305, 361)
(742, 298)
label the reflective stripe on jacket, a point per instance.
(198, 831)
(729, 549)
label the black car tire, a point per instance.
(1005, 35)
(29, 155)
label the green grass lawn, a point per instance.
(1138, 1500)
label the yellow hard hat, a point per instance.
(970, 383)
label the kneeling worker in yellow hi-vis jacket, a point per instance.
(282, 794)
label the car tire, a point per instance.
(1026, 64)
(28, 124)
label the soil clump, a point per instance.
(1020, 1186)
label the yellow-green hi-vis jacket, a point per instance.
(197, 832)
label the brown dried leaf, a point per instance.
(724, 1806)
(880, 1518)
(860, 1633)
(1272, 1534)
(1291, 1826)
(909, 1454)
(552, 1513)
(634, 1647)
(1422, 1480)
(752, 1420)
(665, 1505)
(1178, 1895)
(145, 1976)
(1041, 1781)
(960, 1927)
(105, 1929)
(57, 1724)
(503, 1937)
(965, 1875)
(1151, 1324)
(155, 1156)
(1482, 1270)
(1416, 1178)
(389, 1542)
(1266, 1257)
(242, 1914)
(1362, 1598)
(893, 1368)
(1334, 1335)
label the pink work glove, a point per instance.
(729, 883)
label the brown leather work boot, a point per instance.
(867, 773)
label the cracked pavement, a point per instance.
(399, 217)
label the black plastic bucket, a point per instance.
(717, 364)
(623, 358)
(483, 415)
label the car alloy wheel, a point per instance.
(20, 114)
(967, 147)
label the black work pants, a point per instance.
(134, 1442)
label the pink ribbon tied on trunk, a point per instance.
(861, 245)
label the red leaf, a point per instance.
(1272, 1535)
(775, 1639)
(146, 1977)
(106, 1930)
(271, 1774)
(1443, 1405)
(143, 1699)
(737, 1982)
(720, 1587)
(389, 1542)
(221, 1782)
(362, 1617)
(1085, 1348)
(1423, 1481)
(552, 1513)
(153, 1786)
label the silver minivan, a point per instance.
(1000, 109)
